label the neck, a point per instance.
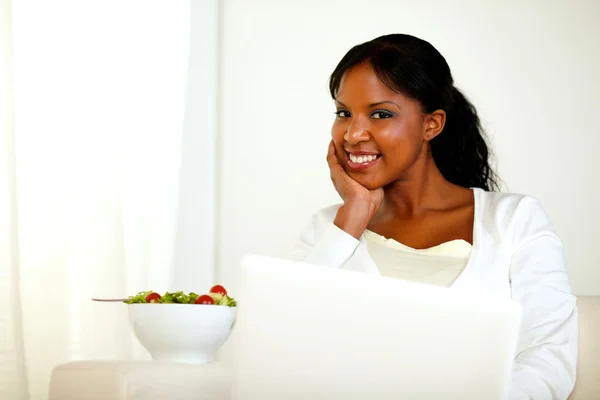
(424, 188)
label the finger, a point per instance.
(337, 157)
(332, 159)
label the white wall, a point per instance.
(531, 69)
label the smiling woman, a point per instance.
(410, 161)
(416, 95)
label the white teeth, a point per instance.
(362, 159)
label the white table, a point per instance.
(139, 380)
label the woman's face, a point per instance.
(378, 134)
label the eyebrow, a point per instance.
(383, 102)
(372, 104)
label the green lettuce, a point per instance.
(182, 298)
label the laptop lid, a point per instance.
(312, 332)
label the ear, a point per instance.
(434, 124)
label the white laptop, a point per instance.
(316, 333)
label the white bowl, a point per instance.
(187, 333)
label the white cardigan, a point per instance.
(516, 253)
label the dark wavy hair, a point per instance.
(413, 67)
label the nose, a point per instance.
(357, 132)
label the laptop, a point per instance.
(307, 332)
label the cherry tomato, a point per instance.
(153, 298)
(204, 299)
(218, 289)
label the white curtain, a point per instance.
(13, 381)
(107, 129)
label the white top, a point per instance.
(517, 254)
(439, 265)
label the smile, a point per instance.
(362, 161)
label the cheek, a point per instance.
(399, 137)
(338, 130)
(401, 146)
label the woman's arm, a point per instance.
(323, 243)
(547, 349)
(334, 234)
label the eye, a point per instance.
(342, 114)
(381, 114)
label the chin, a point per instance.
(364, 181)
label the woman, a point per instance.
(410, 161)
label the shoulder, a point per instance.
(513, 216)
(493, 203)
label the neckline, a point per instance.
(475, 245)
(375, 237)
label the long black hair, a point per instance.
(413, 67)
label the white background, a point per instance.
(531, 69)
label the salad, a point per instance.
(217, 295)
